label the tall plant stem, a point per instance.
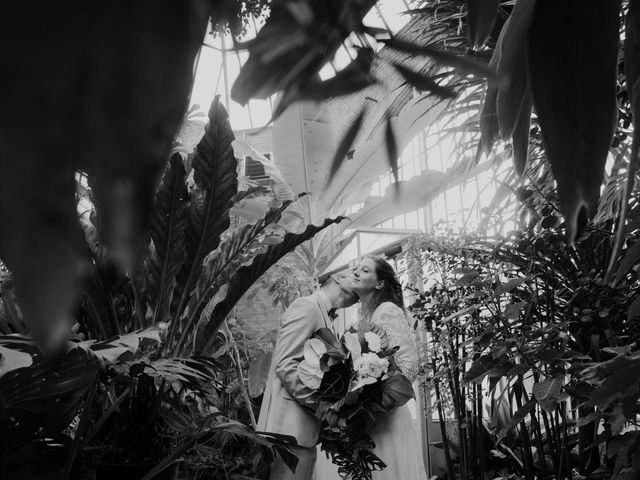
(519, 385)
(443, 428)
(243, 385)
(455, 396)
(527, 457)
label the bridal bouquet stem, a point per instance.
(355, 379)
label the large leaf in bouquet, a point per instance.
(335, 351)
(396, 391)
(335, 382)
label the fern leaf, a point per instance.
(214, 167)
(247, 275)
(167, 228)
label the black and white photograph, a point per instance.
(320, 240)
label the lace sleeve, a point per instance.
(394, 321)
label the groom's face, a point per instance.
(345, 282)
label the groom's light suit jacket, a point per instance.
(282, 410)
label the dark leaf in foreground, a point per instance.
(521, 136)
(423, 83)
(345, 144)
(466, 65)
(574, 95)
(392, 149)
(513, 91)
(168, 222)
(214, 172)
(481, 17)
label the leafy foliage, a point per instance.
(529, 323)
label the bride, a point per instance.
(394, 433)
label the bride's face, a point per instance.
(365, 279)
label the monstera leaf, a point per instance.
(247, 275)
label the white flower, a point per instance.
(352, 343)
(370, 365)
(373, 341)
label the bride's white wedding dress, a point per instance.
(394, 434)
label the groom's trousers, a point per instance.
(304, 469)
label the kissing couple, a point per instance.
(288, 406)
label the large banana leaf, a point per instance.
(214, 172)
(247, 275)
(235, 250)
(168, 223)
(574, 95)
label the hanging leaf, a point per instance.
(521, 136)
(423, 83)
(247, 275)
(345, 144)
(481, 17)
(574, 95)
(489, 114)
(463, 65)
(392, 149)
(168, 222)
(513, 92)
(547, 393)
(214, 168)
(632, 70)
(291, 48)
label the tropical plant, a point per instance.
(529, 323)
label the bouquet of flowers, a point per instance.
(354, 379)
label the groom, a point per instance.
(284, 408)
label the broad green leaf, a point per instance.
(621, 380)
(479, 369)
(574, 96)
(547, 392)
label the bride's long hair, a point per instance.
(391, 290)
